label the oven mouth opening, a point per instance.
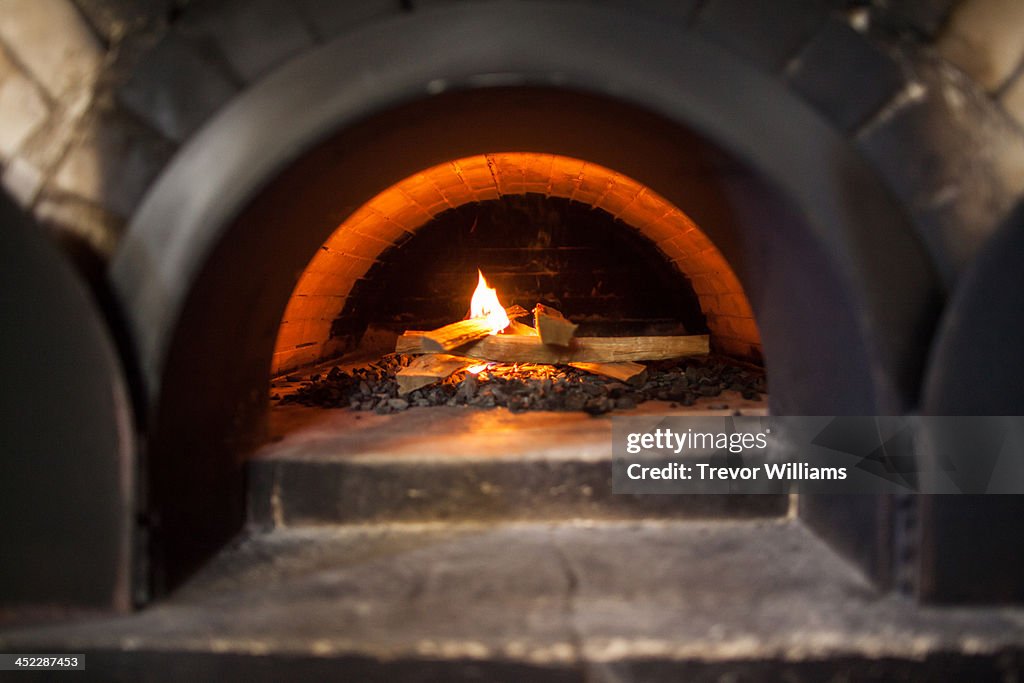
(650, 310)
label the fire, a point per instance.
(485, 304)
(478, 368)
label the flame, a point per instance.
(485, 304)
(478, 368)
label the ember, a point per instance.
(528, 387)
(543, 367)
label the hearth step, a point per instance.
(572, 601)
(437, 464)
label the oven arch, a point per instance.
(844, 291)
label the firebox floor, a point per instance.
(597, 601)
(442, 463)
(496, 432)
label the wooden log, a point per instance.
(624, 371)
(516, 311)
(513, 348)
(521, 329)
(455, 335)
(463, 332)
(552, 326)
(427, 369)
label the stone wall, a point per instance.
(97, 95)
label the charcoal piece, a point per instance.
(597, 406)
(467, 389)
(526, 388)
(575, 402)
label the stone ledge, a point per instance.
(653, 601)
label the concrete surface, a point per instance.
(605, 601)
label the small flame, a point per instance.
(478, 368)
(485, 304)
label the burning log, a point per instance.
(552, 326)
(514, 348)
(626, 371)
(427, 369)
(464, 332)
(519, 328)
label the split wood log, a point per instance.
(463, 332)
(427, 369)
(625, 371)
(513, 348)
(552, 326)
(515, 312)
(521, 329)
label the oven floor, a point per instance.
(433, 464)
(460, 544)
(654, 600)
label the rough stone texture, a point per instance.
(82, 221)
(956, 161)
(844, 75)
(253, 35)
(985, 38)
(1013, 100)
(113, 19)
(53, 41)
(767, 33)
(598, 601)
(180, 84)
(113, 162)
(22, 108)
(22, 180)
(175, 88)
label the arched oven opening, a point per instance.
(752, 233)
(610, 263)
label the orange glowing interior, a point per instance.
(304, 336)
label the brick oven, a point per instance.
(254, 193)
(316, 317)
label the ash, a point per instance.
(527, 387)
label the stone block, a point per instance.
(253, 35)
(113, 162)
(1013, 100)
(954, 159)
(175, 88)
(766, 33)
(22, 181)
(54, 43)
(84, 222)
(844, 76)
(22, 108)
(985, 38)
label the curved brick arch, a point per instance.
(397, 212)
